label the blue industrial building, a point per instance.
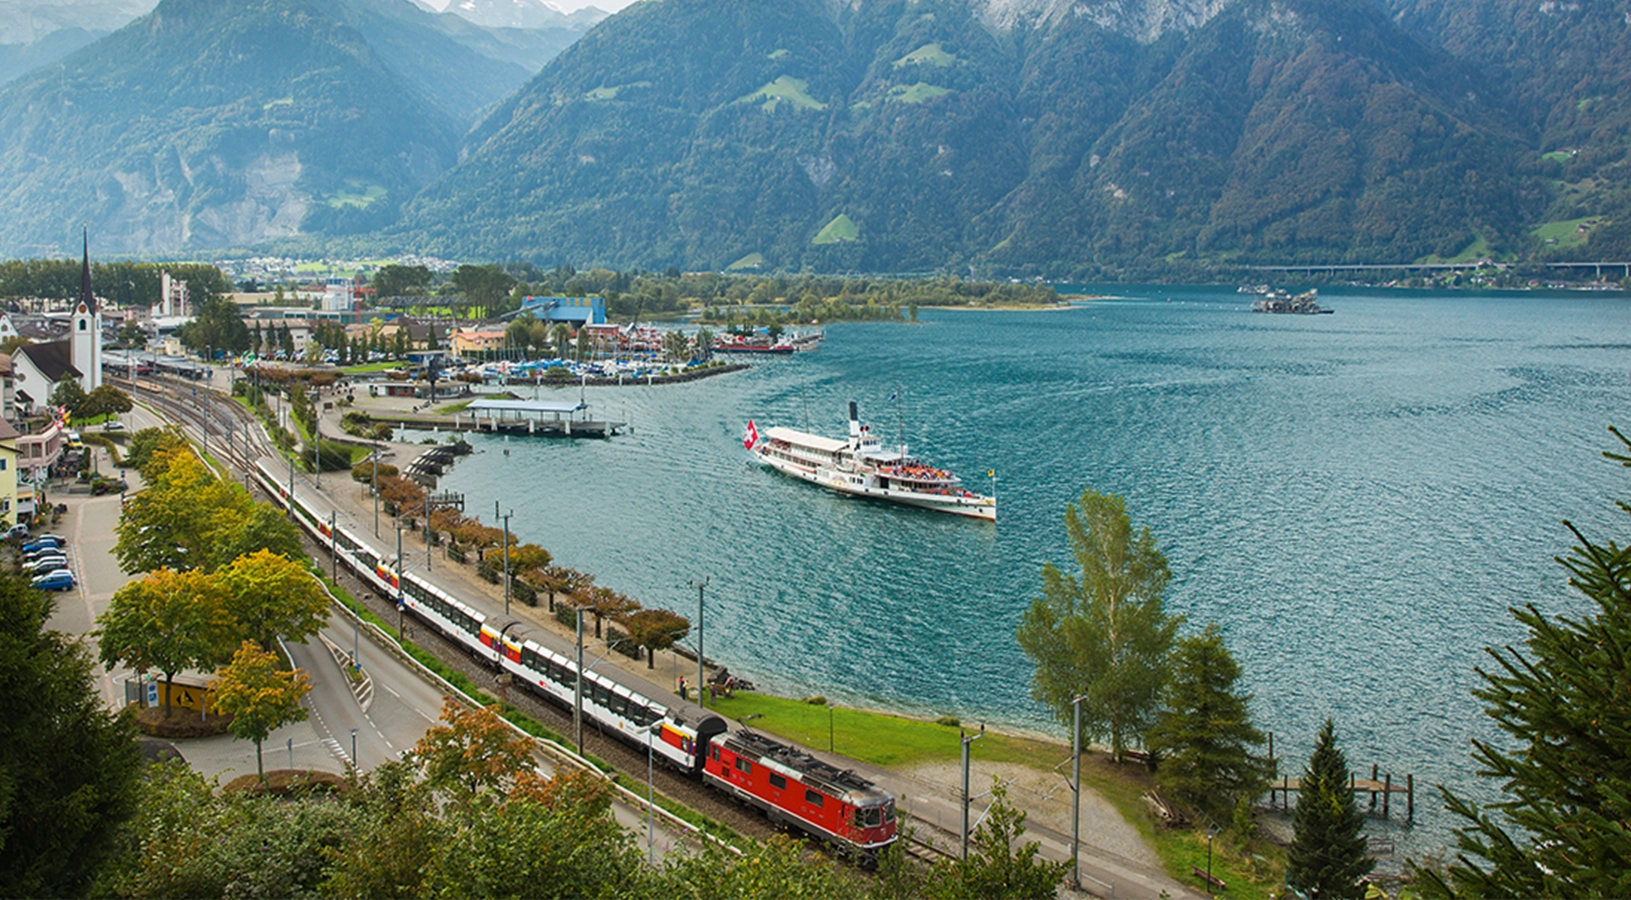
(576, 310)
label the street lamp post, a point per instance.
(967, 739)
(427, 531)
(1209, 834)
(354, 749)
(1076, 789)
(702, 698)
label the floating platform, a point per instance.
(558, 418)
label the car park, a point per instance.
(45, 564)
(59, 580)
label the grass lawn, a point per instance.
(370, 367)
(898, 742)
(452, 408)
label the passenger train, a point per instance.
(790, 786)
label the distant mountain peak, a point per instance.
(1142, 20)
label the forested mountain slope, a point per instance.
(1066, 139)
(213, 123)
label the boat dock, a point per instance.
(562, 418)
(1379, 784)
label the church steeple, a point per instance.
(87, 300)
(85, 340)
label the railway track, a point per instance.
(223, 423)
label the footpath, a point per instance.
(1114, 861)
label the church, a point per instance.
(38, 368)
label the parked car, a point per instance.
(52, 537)
(48, 551)
(17, 531)
(45, 564)
(113, 426)
(59, 580)
(41, 543)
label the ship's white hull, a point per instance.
(859, 484)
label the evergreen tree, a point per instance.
(1204, 737)
(1104, 636)
(68, 769)
(1567, 776)
(1327, 856)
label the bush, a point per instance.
(457, 554)
(817, 700)
(949, 721)
(487, 571)
(335, 457)
(523, 592)
(621, 643)
(364, 472)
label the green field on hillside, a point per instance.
(840, 229)
(1572, 233)
(785, 89)
(929, 55)
(917, 93)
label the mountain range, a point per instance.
(1068, 138)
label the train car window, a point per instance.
(620, 705)
(869, 817)
(743, 766)
(813, 798)
(778, 782)
(715, 750)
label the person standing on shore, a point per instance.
(682, 688)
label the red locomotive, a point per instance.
(798, 790)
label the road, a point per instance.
(372, 725)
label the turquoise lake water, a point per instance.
(1356, 499)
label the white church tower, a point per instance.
(85, 338)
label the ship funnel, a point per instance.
(854, 420)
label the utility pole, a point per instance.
(427, 531)
(506, 518)
(291, 488)
(1076, 788)
(577, 689)
(399, 568)
(374, 477)
(967, 739)
(702, 697)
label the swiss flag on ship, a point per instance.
(751, 436)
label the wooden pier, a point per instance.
(1379, 784)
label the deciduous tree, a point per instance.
(1204, 737)
(1103, 635)
(1563, 828)
(68, 768)
(168, 621)
(259, 695)
(473, 751)
(271, 596)
(656, 629)
(1327, 856)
